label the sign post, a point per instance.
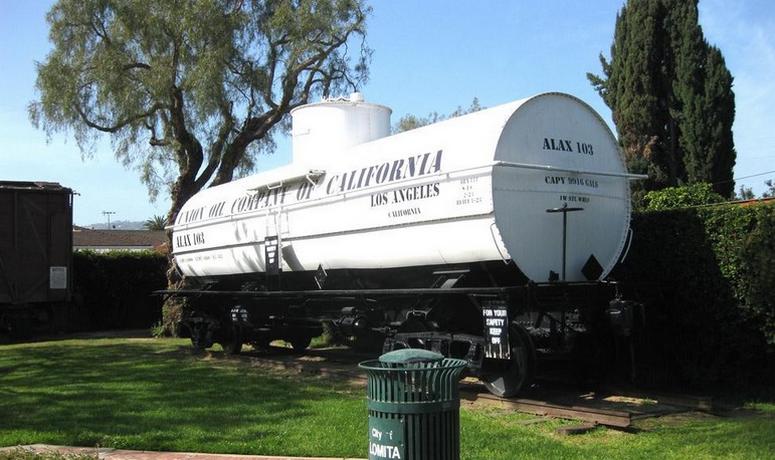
(564, 210)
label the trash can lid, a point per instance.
(410, 356)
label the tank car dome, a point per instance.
(330, 127)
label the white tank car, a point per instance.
(469, 189)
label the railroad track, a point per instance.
(612, 407)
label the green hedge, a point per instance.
(112, 290)
(706, 278)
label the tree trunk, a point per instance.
(173, 308)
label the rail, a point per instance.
(629, 176)
(547, 401)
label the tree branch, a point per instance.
(154, 141)
(216, 150)
(136, 65)
(122, 123)
(190, 152)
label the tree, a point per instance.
(671, 97)
(155, 223)
(745, 193)
(706, 132)
(409, 121)
(681, 197)
(770, 192)
(189, 91)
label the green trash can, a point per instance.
(414, 405)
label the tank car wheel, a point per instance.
(368, 343)
(196, 346)
(516, 375)
(197, 343)
(261, 343)
(231, 342)
(300, 344)
(232, 346)
(201, 337)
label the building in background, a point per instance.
(121, 240)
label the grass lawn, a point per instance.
(154, 394)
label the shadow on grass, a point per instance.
(156, 395)
(153, 396)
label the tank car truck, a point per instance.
(36, 253)
(486, 237)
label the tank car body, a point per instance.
(442, 237)
(474, 188)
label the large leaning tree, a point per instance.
(671, 96)
(190, 91)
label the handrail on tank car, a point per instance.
(629, 176)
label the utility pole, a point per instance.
(108, 214)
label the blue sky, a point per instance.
(428, 56)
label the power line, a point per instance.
(744, 177)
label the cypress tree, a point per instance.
(670, 95)
(716, 155)
(632, 86)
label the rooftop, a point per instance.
(88, 238)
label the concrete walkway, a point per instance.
(121, 454)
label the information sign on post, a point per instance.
(496, 329)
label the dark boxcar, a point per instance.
(36, 253)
